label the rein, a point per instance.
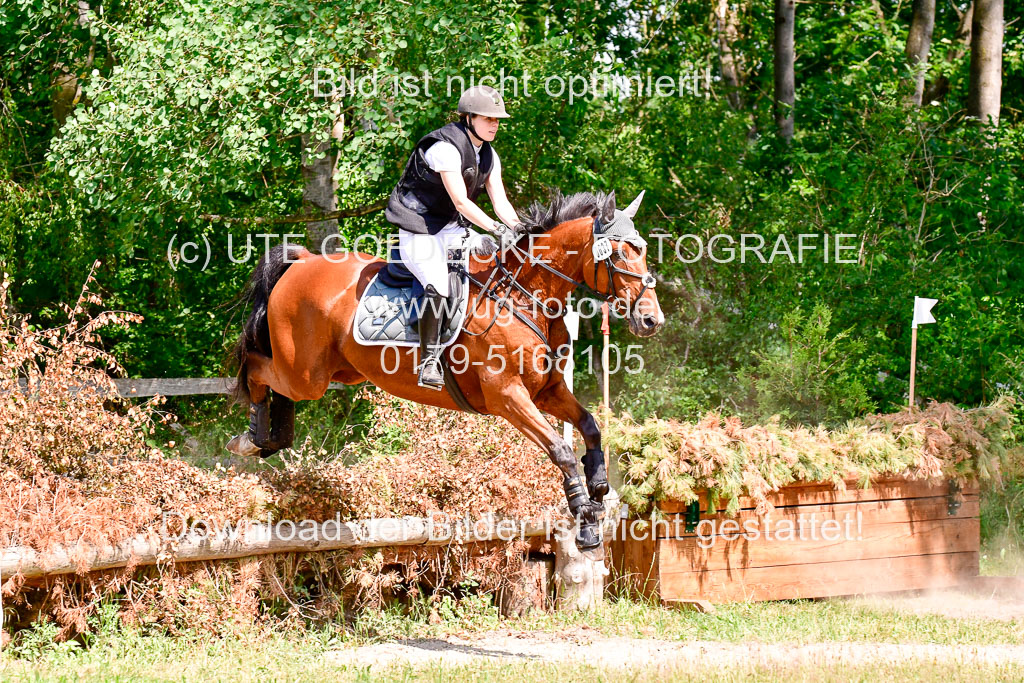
(602, 255)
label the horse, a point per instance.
(299, 338)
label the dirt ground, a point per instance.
(580, 646)
(588, 646)
(1001, 600)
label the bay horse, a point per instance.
(299, 335)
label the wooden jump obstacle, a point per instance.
(896, 535)
(257, 539)
(578, 578)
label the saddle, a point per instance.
(388, 312)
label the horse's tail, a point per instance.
(256, 332)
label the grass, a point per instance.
(296, 652)
(261, 667)
(794, 621)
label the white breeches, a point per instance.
(426, 256)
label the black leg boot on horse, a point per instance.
(596, 474)
(587, 513)
(271, 427)
(431, 319)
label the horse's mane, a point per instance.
(561, 208)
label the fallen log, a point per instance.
(261, 539)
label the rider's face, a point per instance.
(486, 127)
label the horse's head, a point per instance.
(616, 265)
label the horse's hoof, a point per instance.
(588, 537)
(598, 490)
(241, 445)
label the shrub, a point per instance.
(807, 378)
(671, 460)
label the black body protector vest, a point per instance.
(420, 203)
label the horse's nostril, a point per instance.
(649, 321)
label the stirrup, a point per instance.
(430, 375)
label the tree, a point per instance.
(320, 191)
(962, 40)
(785, 80)
(919, 44)
(983, 99)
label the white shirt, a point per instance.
(444, 156)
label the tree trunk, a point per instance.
(67, 88)
(937, 90)
(986, 62)
(201, 544)
(919, 44)
(726, 28)
(320, 194)
(785, 79)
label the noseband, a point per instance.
(603, 251)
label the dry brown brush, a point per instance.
(79, 468)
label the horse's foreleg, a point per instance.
(559, 402)
(516, 406)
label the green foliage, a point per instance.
(201, 108)
(683, 392)
(40, 640)
(1002, 516)
(668, 460)
(808, 377)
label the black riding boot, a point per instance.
(430, 339)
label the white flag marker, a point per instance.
(923, 311)
(922, 316)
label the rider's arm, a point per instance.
(496, 191)
(456, 187)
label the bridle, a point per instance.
(503, 277)
(603, 251)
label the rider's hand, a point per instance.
(506, 235)
(481, 245)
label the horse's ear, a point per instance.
(634, 205)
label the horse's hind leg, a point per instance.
(282, 425)
(271, 424)
(271, 415)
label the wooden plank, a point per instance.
(875, 541)
(174, 386)
(181, 386)
(821, 580)
(903, 510)
(816, 493)
(171, 386)
(634, 569)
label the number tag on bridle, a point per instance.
(602, 249)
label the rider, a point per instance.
(434, 202)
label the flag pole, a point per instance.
(913, 361)
(605, 332)
(922, 316)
